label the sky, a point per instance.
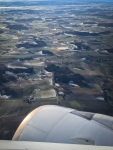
(51, 0)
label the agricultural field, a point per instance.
(54, 53)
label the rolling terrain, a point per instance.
(58, 53)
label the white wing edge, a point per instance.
(24, 145)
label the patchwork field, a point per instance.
(57, 53)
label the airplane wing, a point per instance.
(22, 145)
(59, 128)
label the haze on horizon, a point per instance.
(55, 0)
